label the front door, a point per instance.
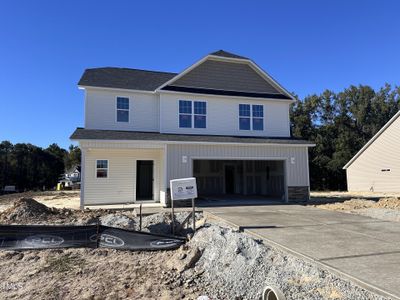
(144, 180)
(229, 179)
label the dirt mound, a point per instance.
(359, 203)
(26, 208)
(391, 203)
(348, 205)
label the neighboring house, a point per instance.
(376, 167)
(73, 174)
(223, 120)
(71, 178)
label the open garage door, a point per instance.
(240, 177)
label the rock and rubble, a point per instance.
(216, 263)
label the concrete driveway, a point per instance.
(358, 248)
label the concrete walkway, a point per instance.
(358, 248)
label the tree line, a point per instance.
(30, 167)
(340, 124)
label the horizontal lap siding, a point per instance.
(120, 186)
(365, 173)
(297, 172)
(223, 116)
(100, 110)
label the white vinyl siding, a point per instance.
(223, 114)
(101, 110)
(120, 185)
(369, 172)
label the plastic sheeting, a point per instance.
(20, 237)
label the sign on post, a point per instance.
(182, 189)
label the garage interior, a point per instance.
(240, 177)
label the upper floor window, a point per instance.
(192, 114)
(185, 114)
(122, 109)
(258, 117)
(244, 116)
(200, 112)
(251, 117)
(101, 168)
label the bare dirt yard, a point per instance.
(217, 263)
(58, 199)
(383, 206)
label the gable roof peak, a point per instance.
(223, 53)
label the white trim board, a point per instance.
(162, 143)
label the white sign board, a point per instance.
(184, 188)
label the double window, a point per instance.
(101, 168)
(192, 114)
(251, 117)
(123, 109)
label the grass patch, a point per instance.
(64, 263)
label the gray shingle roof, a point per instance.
(226, 76)
(223, 53)
(124, 78)
(95, 134)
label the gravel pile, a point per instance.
(159, 223)
(226, 264)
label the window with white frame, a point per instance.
(122, 109)
(258, 117)
(244, 116)
(200, 114)
(192, 114)
(101, 168)
(251, 117)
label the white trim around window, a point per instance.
(102, 168)
(128, 110)
(251, 117)
(192, 114)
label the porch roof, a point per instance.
(117, 135)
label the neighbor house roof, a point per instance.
(95, 134)
(124, 78)
(377, 135)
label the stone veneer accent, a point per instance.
(298, 193)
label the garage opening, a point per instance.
(240, 177)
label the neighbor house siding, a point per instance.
(365, 173)
(223, 116)
(297, 168)
(100, 110)
(120, 186)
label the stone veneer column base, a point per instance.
(297, 193)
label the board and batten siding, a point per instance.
(297, 172)
(120, 186)
(365, 173)
(223, 115)
(100, 110)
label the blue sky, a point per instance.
(307, 46)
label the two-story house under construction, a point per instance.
(223, 120)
